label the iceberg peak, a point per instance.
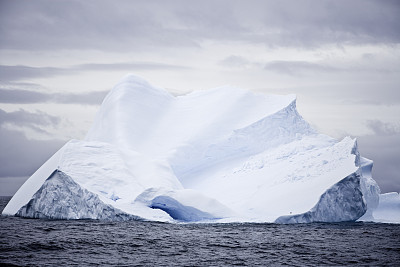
(131, 85)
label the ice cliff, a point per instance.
(220, 155)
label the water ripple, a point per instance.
(29, 242)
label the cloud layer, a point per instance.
(19, 96)
(19, 155)
(341, 58)
(19, 72)
(28, 119)
(126, 25)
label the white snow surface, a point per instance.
(219, 155)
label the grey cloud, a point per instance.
(17, 96)
(29, 119)
(384, 93)
(13, 73)
(311, 23)
(21, 156)
(288, 67)
(383, 129)
(10, 185)
(127, 66)
(90, 98)
(380, 94)
(126, 25)
(365, 92)
(214, 20)
(297, 67)
(103, 25)
(16, 73)
(235, 62)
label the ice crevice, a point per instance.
(178, 211)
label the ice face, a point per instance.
(340, 203)
(220, 155)
(61, 198)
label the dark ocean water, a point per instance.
(33, 242)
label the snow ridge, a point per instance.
(279, 128)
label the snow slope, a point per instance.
(217, 155)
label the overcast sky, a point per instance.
(58, 59)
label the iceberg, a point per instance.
(388, 209)
(218, 155)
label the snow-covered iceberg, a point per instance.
(388, 210)
(220, 155)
